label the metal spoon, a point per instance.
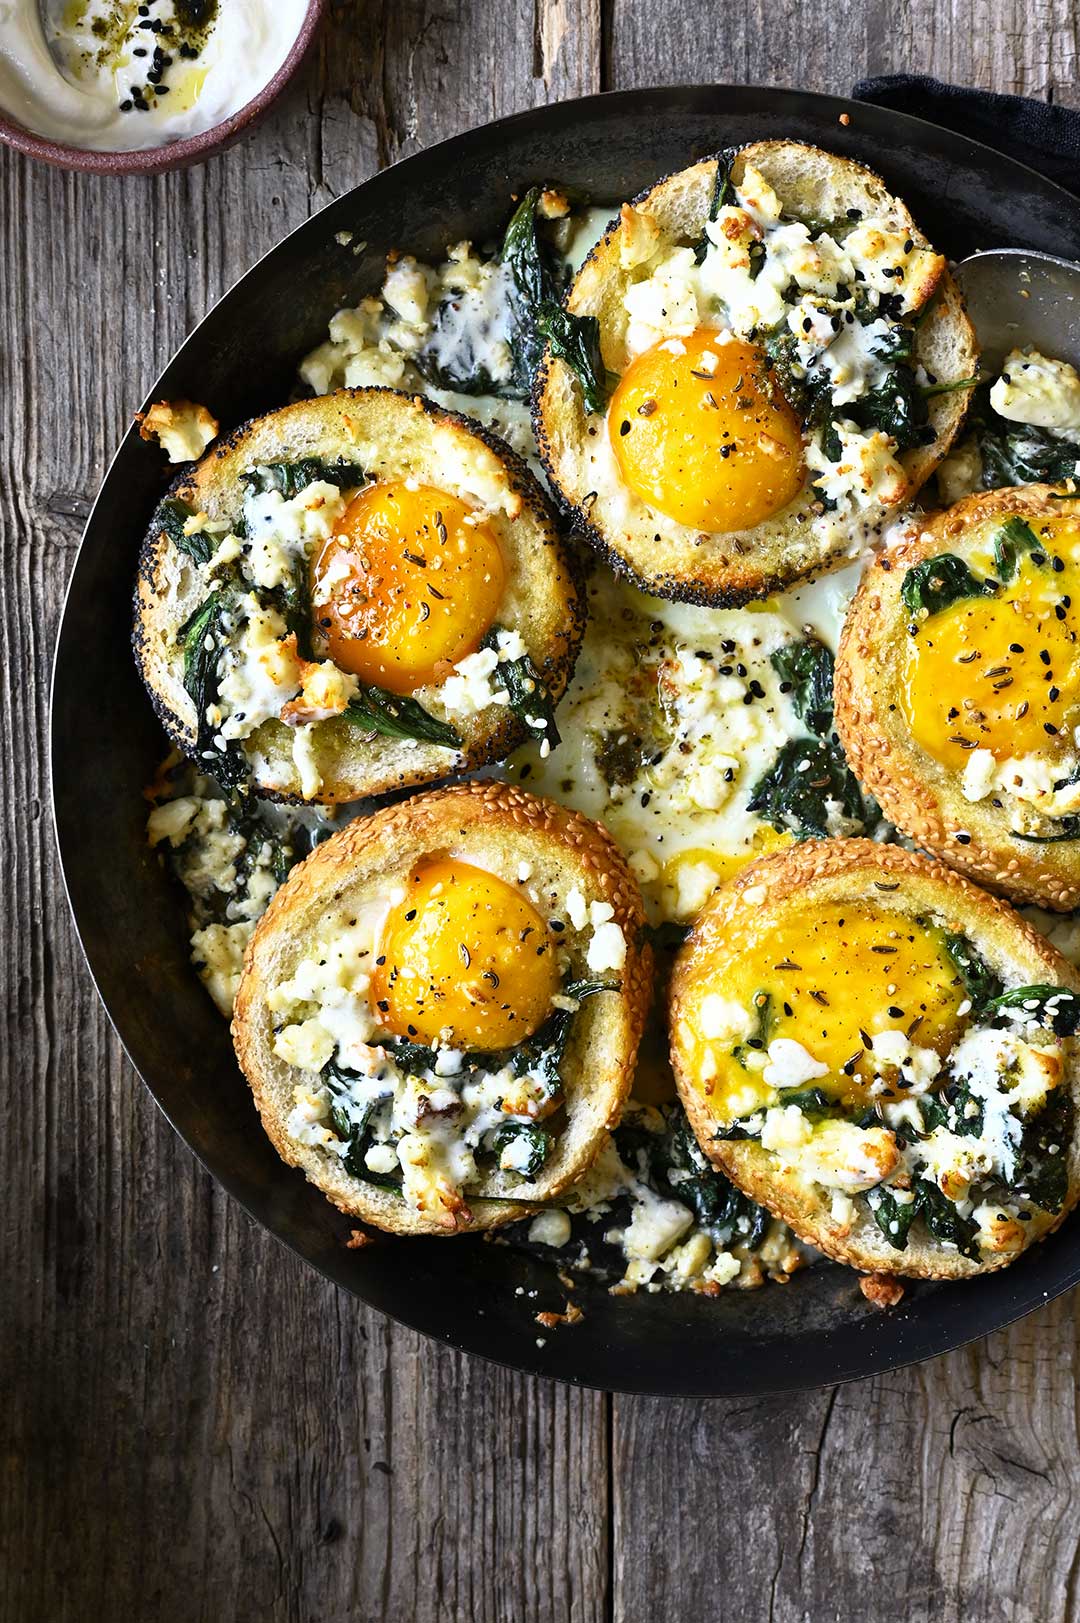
(1017, 298)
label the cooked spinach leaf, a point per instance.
(412, 1059)
(811, 1101)
(538, 318)
(807, 773)
(936, 582)
(535, 1140)
(981, 984)
(295, 597)
(806, 667)
(1043, 1175)
(203, 637)
(897, 407)
(530, 260)
(966, 1115)
(530, 697)
(1018, 453)
(290, 478)
(173, 515)
(721, 187)
(808, 393)
(1054, 1007)
(944, 1221)
(893, 1217)
(540, 1055)
(1013, 541)
(672, 1163)
(395, 715)
(934, 1112)
(576, 340)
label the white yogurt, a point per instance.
(84, 72)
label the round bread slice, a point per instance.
(570, 871)
(958, 799)
(872, 1164)
(673, 559)
(360, 435)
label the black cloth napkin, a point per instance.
(1045, 137)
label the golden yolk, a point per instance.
(1002, 673)
(464, 955)
(408, 584)
(698, 435)
(699, 866)
(830, 978)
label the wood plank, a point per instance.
(942, 1494)
(193, 1424)
(1010, 45)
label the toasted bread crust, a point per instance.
(823, 870)
(724, 571)
(503, 826)
(922, 797)
(547, 583)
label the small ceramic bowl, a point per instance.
(176, 154)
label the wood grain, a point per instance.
(192, 1425)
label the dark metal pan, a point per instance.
(242, 359)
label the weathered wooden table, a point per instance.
(193, 1425)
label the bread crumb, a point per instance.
(182, 428)
(845, 119)
(881, 1290)
(358, 1240)
(551, 1321)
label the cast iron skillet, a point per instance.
(242, 360)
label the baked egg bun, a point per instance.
(883, 1055)
(775, 330)
(440, 1011)
(957, 690)
(354, 594)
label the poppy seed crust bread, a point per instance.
(675, 560)
(391, 436)
(923, 796)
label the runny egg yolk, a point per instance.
(698, 435)
(464, 957)
(831, 978)
(407, 585)
(1002, 673)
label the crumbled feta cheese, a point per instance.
(1035, 389)
(576, 910)
(550, 1228)
(791, 1065)
(606, 949)
(308, 1045)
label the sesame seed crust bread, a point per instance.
(393, 436)
(852, 870)
(920, 795)
(726, 570)
(497, 826)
